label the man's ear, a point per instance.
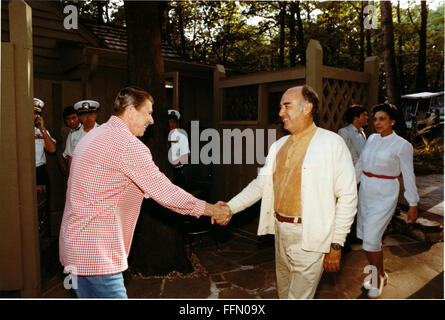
(307, 109)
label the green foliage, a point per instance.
(408, 31)
(244, 36)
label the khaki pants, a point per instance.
(298, 271)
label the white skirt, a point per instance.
(377, 202)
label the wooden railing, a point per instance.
(337, 88)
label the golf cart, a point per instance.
(423, 106)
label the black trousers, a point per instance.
(42, 178)
(352, 235)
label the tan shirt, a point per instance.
(287, 175)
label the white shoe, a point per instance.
(376, 292)
(367, 283)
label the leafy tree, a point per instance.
(250, 36)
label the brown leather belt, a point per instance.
(369, 174)
(288, 219)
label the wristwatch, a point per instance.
(336, 246)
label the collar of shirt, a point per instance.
(389, 136)
(354, 128)
(78, 127)
(82, 131)
(305, 132)
(118, 123)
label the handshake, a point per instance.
(219, 213)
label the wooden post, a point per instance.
(219, 169)
(219, 72)
(372, 68)
(11, 277)
(314, 65)
(20, 26)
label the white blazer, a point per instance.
(328, 192)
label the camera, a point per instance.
(37, 121)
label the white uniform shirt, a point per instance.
(179, 144)
(73, 139)
(390, 156)
(40, 146)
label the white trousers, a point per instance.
(298, 271)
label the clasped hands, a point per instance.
(219, 213)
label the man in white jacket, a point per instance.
(309, 197)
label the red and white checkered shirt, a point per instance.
(111, 170)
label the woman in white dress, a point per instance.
(384, 157)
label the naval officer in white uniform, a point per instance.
(87, 112)
(179, 148)
(43, 143)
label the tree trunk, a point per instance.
(292, 35)
(389, 59)
(368, 43)
(100, 11)
(400, 58)
(300, 36)
(421, 80)
(282, 32)
(158, 246)
(368, 37)
(362, 37)
(181, 30)
(106, 11)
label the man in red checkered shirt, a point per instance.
(111, 170)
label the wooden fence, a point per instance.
(19, 245)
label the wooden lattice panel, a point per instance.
(338, 95)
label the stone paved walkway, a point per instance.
(243, 268)
(431, 193)
(241, 265)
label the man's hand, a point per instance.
(50, 145)
(412, 214)
(40, 123)
(331, 261)
(226, 219)
(218, 213)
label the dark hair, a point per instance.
(311, 96)
(354, 111)
(173, 116)
(130, 96)
(390, 109)
(68, 111)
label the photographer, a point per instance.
(43, 142)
